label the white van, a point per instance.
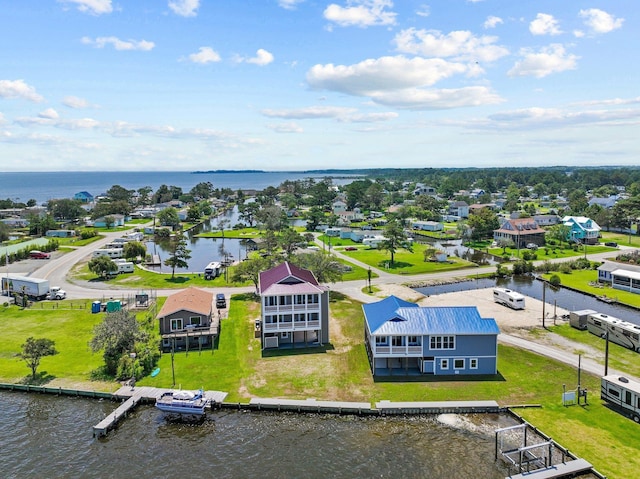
(508, 298)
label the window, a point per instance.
(444, 364)
(458, 364)
(285, 300)
(299, 317)
(414, 340)
(299, 299)
(442, 342)
(312, 299)
(284, 335)
(473, 363)
(176, 324)
(195, 320)
(286, 318)
(271, 301)
(314, 316)
(382, 341)
(397, 340)
(270, 319)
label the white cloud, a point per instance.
(49, 114)
(18, 89)
(382, 74)
(185, 8)
(492, 21)
(94, 7)
(75, 102)
(2, 120)
(578, 33)
(371, 117)
(548, 60)
(285, 127)
(361, 13)
(63, 124)
(460, 45)
(262, 58)
(438, 99)
(423, 11)
(205, 55)
(600, 21)
(289, 4)
(309, 113)
(544, 24)
(554, 117)
(101, 42)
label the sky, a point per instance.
(290, 85)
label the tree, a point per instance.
(326, 268)
(133, 249)
(505, 243)
(202, 190)
(250, 269)
(315, 216)
(109, 221)
(483, 223)
(428, 253)
(118, 193)
(168, 217)
(179, 254)
(116, 336)
(559, 233)
(39, 225)
(194, 214)
(248, 212)
(222, 224)
(395, 238)
(289, 240)
(66, 209)
(103, 266)
(144, 195)
(4, 232)
(33, 350)
(272, 218)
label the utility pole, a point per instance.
(544, 292)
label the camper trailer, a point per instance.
(212, 270)
(508, 298)
(125, 267)
(578, 319)
(620, 332)
(111, 253)
(622, 394)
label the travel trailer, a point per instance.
(508, 298)
(620, 332)
(212, 270)
(622, 394)
(111, 253)
(126, 267)
(578, 319)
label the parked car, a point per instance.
(350, 248)
(221, 301)
(35, 254)
(612, 244)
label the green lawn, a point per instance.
(338, 371)
(76, 241)
(406, 262)
(550, 252)
(621, 239)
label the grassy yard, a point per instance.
(551, 252)
(340, 371)
(406, 262)
(621, 238)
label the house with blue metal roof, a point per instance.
(404, 338)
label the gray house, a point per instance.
(404, 338)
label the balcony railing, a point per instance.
(399, 350)
(292, 307)
(290, 326)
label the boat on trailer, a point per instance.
(183, 402)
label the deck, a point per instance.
(310, 405)
(437, 407)
(134, 396)
(559, 470)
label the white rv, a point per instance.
(373, 242)
(508, 298)
(621, 332)
(212, 270)
(126, 267)
(622, 394)
(110, 252)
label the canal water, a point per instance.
(51, 436)
(529, 286)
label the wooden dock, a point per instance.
(565, 469)
(154, 261)
(437, 407)
(311, 405)
(134, 396)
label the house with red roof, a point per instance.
(295, 308)
(187, 321)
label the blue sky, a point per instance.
(94, 85)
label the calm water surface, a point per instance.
(50, 436)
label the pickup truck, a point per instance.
(57, 293)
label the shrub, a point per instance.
(555, 280)
(565, 268)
